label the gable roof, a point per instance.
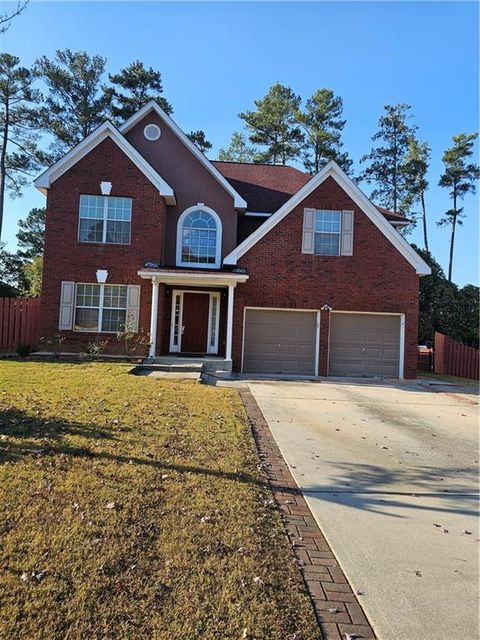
(265, 187)
(101, 133)
(238, 201)
(334, 171)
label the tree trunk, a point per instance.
(395, 172)
(3, 157)
(452, 239)
(424, 218)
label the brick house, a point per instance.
(269, 268)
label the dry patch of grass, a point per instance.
(133, 508)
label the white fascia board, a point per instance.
(105, 130)
(238, 201)
(333, 170)
(185, 278)
(399, 223)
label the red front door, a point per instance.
(195, 322)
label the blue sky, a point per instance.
(216, 58)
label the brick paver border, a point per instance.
(338, 611)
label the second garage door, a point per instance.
(364, 345)
(280, 342)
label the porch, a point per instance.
(196, 321)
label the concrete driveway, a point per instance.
(390, 474)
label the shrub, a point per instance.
(132, 340)
(54, 343)
(24, 349)
(95, 349)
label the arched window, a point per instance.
(199, 237)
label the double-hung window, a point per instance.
(105, 219)
(328, 228)
(100, 307)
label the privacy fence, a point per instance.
(453, 358)
(18, 323)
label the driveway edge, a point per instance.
(336, 606)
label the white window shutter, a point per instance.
(347, 233)
(133, 306)
(67, 305)
(308, 237)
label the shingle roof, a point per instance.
(266, 187)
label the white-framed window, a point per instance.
(100, 308)
(328, 229)
(105, 219)
(199, 238)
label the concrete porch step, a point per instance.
(184, 366)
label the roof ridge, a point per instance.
(262, 164)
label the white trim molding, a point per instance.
(238, 201)
(218, 246)
(333, 170)
(101, 133)
(193, 278)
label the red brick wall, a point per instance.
(376, 278)
(68, 259)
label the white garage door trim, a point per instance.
(317, 333)
(401, 360)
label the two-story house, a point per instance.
(272, 269)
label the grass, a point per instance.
(445, 378)
(135, 508)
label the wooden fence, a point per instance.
(453, 358)
(18, 323)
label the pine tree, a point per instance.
(132, 88)
(75, 103)
(199, 140)
(416, 165)
(274, 125)
(31, 234)
(20, 157)
(323, 125)
(238, 150)
(386, 168)
(460, 178)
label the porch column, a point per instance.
(153, 319)
(228, 349)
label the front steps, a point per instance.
(185, 367)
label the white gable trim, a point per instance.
(238, 201)
(105, 130)
(333, 170)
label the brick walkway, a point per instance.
(338, 611)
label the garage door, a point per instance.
(364, 345)
(280, 342)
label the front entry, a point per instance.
(195, 322)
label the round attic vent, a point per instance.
(152, 132)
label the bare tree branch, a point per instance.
(7, 17)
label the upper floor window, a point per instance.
(105, 219)
(199, 237)
(328, 227)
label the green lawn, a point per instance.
(134, 508)
(468, 382)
